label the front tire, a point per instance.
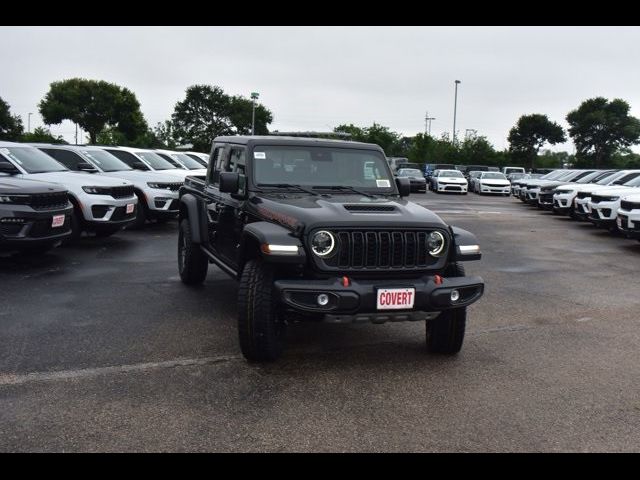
(445, 334)
(260, 328)
(192, 262)
(141, 214)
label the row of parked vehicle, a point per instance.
(609, 199)
(448, 180)
(51, 194)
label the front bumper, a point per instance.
(23, 227)
(494, 189)
(162, 202)
(628, 223)
(360, 297)
(603, 214)
(563, 203)
(452, 187)
(545, 200)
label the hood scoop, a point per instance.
(370, 208)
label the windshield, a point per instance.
(553, 175)
(516, 176)
(105, 161)
(409, 172)
(635, 182)
(321, 167)
(496, 176)
(451, 173)
(589, 177)
(602, 176)
(32, 160)
(186, 160)
(155, 160)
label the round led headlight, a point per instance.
(435, 244)
(323, 243)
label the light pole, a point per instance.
(29, 122)
(427, 120)
(455, 109)
(254, 97)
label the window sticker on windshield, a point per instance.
(259, 155)
(383, 183)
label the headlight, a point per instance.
(13, 198)
(154, 185)
(323, 243)
(435, 244)
(96, 190)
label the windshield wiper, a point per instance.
(287, 185)
(346, 188)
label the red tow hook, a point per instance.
(438, 279)
(346, 282)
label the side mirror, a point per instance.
(8, 168)
(86, 167)
(139, 166)
(229, 182)
(404, 186)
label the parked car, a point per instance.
(101, 205)
(341, 245)
(545, 195)
(203, 158)
(182, 160)
(582, 207)
(565, 194)
(518, 181)
(146, 161)
(157, 192)
(628, 220)
(449, 181)
(396, 162)
(416, 179)
(34, 216)
(604, 204)
(492, 182)
(429, 168)
(510, 170)
(531, 188)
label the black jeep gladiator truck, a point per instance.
(317, 229)
(34, 216)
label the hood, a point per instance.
(76, 180)
(14, 186)
(179, 173)
(617, 191)
(297, 211)
(635, 197)
(138, 177)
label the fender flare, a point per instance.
(191, 209)
(257, 234)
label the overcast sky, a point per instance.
(314, 78)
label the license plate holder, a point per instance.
(57, 221)
(130, 208)
(399, 298)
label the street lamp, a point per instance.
(29, 122)
(254, 97)
(455, 108)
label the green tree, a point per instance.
(94, 105)
(601, 128)
(208, 112)
(357, 134)
(476, 150)
(164, 132)
(41, 135)
(530, 134)
(10, 125)
(113, 136)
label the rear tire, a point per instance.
(445, 334)
(260, 328)
(192, 262)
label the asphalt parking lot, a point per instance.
(103, 349)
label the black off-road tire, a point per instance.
(445, 333)
(192, 262)
(260, 328)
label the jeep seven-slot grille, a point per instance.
(395, 249)
(626, 205)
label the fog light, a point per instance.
(455, 295)
(323, 299)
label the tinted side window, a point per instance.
(215, 165)
(65, 157)
(126, 157)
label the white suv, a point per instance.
(581, 204)
(628, 221)
(604, 204)
(182, 160)
(146, 160)
(203, 158)
(157, 192)
(101, 205)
